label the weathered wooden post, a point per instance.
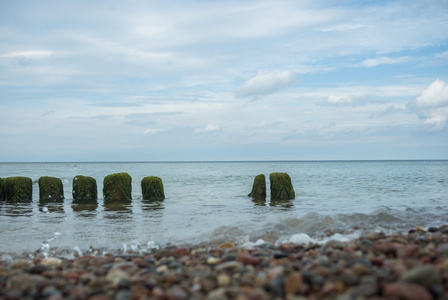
(281, 187)
(152, 188)
(259, 187)
(18, 189)
(84, 188)
(50, 189)
(2, 189)
(117, 186)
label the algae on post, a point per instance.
(117, 186)
(152, 188)
(2, 189)
(281, 187)
(50, 189)
(84, 188)
(259, 187)
(18, 189)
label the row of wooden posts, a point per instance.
(118, 186)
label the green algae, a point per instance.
(2, 189)
(117, 186)
(18, 189)
(281, 187)
(84, 188)
(259, 187)
(50, 189)
(152, 188)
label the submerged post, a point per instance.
(18, 189)
(117, 186)
(152, 188)
(259, 187)
(2, 189)
(281, 187)
(50, 189)
(84, 188)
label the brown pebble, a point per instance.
(248, 260)
(181, 252)
(216, 252)
(99, 297)
(293, 283)
(116, 275)
(20, 264)
(423, 275)
(406, 291)
(229, 266)
(226, 245)
(71, 276)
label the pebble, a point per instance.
(226, 245)
(406, 291)
(213, 260)
(117, 276)
(248, 260)
(293, 283)
(51, 261)
(425, 275)
(403, 266)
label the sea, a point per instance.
(207, 203)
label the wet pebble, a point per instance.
(406, 291)
(375, 266)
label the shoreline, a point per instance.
(373, 266)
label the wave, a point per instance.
(318, 228)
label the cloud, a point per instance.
(149, 131)
(350, 100)
(265, 83)
(342, 27)
(28, 54)
(384, 60)
(434, 96)
(387, 111)
(210, 128)
(432, 105)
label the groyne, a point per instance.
(118, 187)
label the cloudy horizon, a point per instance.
(223, 80)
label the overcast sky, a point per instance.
(223, 80)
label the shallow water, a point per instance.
(207, 202)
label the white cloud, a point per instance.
(432, 105)
(150, 131)
(30, 54)
(434, 96)
(210, 128)
(384, 60)
(340, 99)
(342, 27)
(265, 83)
(350, 100)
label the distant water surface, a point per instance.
(207, 202)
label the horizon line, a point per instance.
(232, 161)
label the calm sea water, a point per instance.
(207, 202)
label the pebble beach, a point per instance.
(411, 265)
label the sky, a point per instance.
(198, 80)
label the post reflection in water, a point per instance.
(117, 209)
(259, 202)
(282, 204)
(85, 208)
(51, 206)
(20, 209)
(150, 205)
